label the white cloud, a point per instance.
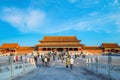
(107, 23)
(93, 13)
(115, 1)
(96, 1)
(23, 20)
(118, 22)
(35, 21)
(72, 1)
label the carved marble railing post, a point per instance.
(96, 60)
(109, 66)
(11, 65)
(91, 63)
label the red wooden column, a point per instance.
(79, 49)
(40, 49)
(118, 50)
(72, 49)
(67, 49)
(46, 49)
(56, 49)
(15, 50)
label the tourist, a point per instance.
(25, 58)
(53, 56)
(83, 56)
(62, 59)
(21, 58)
(42, 59)
(49, 54)
(46, 60)
(75, 56)
(38, 58)
(68, 54)
(58, 55)
(67, 62)
(16, 57)
(35, 59)
(71, 63)
(81, 53)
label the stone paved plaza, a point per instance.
(58, 71)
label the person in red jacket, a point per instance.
(16, 58)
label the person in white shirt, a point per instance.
(45, 61)
(71, 63)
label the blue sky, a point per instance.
(27, 21)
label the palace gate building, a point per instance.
(59, 43)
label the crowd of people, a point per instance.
(20, 58)
(45, 59)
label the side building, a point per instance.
(110, 47)
(15, 48)
(93, 49)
